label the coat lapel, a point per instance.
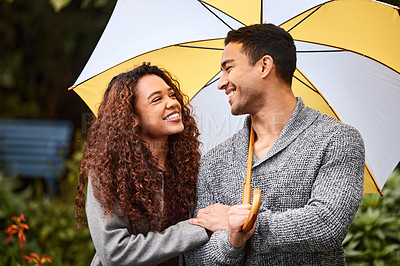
(241, 146)
(300, 120)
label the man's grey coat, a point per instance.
(311, 182)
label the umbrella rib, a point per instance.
(280, 25)
(201, 2)
(207, 84)
(305, 84)
(204, 4)
(317, 91)
(262, 13)
(306, 17)
(200, 47)
(341, 49)
(178, 45)
(322, 51)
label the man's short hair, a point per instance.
(267, 39)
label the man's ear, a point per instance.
(267, 63)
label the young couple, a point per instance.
(145, 180)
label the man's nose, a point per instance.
(222, 82)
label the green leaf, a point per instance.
(59, 4)
(389, 249)
(380, 234)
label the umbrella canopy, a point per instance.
(348, 62)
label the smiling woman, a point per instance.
(158, 109)
(141, 164)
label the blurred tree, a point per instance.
(43, 52)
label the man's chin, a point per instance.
(237, 112)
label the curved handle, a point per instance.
(255, 207)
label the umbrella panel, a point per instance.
(313, 98)
(194, 65)
(323, 25)
(364, 27)
(364, 94)
(246, 12)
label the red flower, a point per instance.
(17, 228)
(39, 260)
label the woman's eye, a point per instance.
(156, 99)
(173, 95)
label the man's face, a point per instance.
(239, 79)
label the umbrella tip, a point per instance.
(71, 88)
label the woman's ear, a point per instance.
(267, 63)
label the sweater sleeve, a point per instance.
(217, 251)
(323, 222)
(116, 245)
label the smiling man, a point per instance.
(309, 166)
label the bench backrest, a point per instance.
(34, 148)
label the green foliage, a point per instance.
(10, 205)
(73, 164)
(43, 52)
(374, 235)
(59, 4)
(51, 219)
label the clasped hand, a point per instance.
(222, 217)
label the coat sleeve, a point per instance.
(323, 222)
(218, 250)
(115, 244)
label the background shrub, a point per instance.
(374, 235)
(51, 219)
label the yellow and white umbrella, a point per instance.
(348, 62)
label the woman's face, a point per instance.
(159, 112)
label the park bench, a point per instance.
(35, 148)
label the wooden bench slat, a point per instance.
(35, 148)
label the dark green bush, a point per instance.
(51, 219)
(374, 235)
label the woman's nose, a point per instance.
(172, 102)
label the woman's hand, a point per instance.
(213, 217)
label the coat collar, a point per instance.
(301, 118)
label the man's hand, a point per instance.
(237, 216)
(213, 217)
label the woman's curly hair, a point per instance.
(124, 174)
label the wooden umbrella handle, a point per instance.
(247, 182)
(255, 207)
